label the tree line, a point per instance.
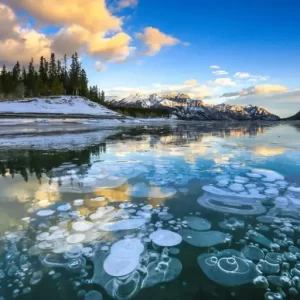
(49, 78)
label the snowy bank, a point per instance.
(56, 106)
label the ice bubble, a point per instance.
(253, 253)
(232, 224)
(76, 238)
(42, 236)
(228, 267)
(45, 213)
(141, 190)
(281, 281)
(101, 211)
(260, 239)
(253, 175)
(261, 282)
(197, 223)
(147, 207)
(294, 189)
(165, 238)
(174, 251)
(268, 268)
(159, 271)
(125, 205)
(273, 296)
(45, 245)
(74, 251)
(223, 182)
(64, 207)
(274, 258)
(241, 179)
(36, 277)
(165, 216)
(82, 226)
(93, 295)
(269, 175)
(231, 204)
(293, 292)
(265, 219)
(53, 228)
(127, 248)
(78, 202)
(290, 257)
(271, 192)
(204, 238)
(120, 266)
(236, 187)
(99, 199)
(128, 224)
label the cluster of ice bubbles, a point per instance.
(269, 258)
(108, 174)
(134, 246)
(129, 251)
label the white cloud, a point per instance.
(96, 31)
(250, 77)
(258, 89)
(226, 81)
(190, 82)
(99, 66)
(220, 72)
(115, 48)
(154, 40)
(92, 15)
(127, 3)
(17, 43)
(214, 67)
(241, 75)
(8, 23)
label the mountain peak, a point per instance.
(184, 107)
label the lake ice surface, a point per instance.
(176, 210)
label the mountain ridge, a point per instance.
(295, 117)
(185, 108)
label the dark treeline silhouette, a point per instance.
(49, 78)
(140, 112)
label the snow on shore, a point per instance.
(71, 105)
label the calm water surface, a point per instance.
(228, 196)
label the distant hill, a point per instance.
(294, 117)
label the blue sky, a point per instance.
(169, 46)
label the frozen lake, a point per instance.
(176, 210)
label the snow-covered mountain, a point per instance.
(186, 108)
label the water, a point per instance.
(229, 193)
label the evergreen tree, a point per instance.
(16, 72)
(31, 79)
(75, 74)
(83, 83)
(102, 99)
(52, 73)
(54, 78)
